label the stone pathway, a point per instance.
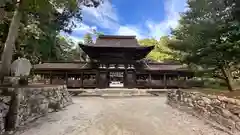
(119, 116)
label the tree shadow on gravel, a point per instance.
(189, 111)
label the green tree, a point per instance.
(43, 12)
(88, 38)
(97, 33)
(161, 52)
(236, 8)
(208, 37)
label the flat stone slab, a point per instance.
(120, 89)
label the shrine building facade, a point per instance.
(115, 61)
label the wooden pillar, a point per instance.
(125, 76)
(66, 78)
(81, 85)
(164, 81)
(50, 77)
(102, 79)
(107, 81)
(44, 79)
(134, 79)
(149, 80)
(97, 79)
(178, 82)
(130, 79)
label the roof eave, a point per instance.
(117, 47)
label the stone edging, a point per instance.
(223, 110)
(33, 103)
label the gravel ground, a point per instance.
(119, 116)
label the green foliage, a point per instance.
(161, 52)
(209, 37)
(40, 27)
(88, 38)
(207, 30)
(97, 33)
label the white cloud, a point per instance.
(172, 15)
(84, 28)
(156, 29)
(71, 38)
(104, 15)
(130, 31)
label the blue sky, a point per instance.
(143, 18)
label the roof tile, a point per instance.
(116, 41)
(52, 66)
(65, 66)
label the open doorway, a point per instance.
(116, 79)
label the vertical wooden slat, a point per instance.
(125, 76)
(149, 80)
(50, 77)
(81, 80)
(66, 78)
(97, 79)
(43, 77)
(179, 84)
(164, 81)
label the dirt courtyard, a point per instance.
(119, 116)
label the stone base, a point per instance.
(222, 110)
(35, 102)
(7, 81)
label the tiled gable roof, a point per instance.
(75, 66)
(59, 66)
(116, 41)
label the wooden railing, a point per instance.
(142, 83)
(89, 83)
(92, 83)
(58, 81)
(74, 83)
(162, 84)
(157, 84)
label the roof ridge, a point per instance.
(117, 36)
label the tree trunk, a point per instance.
(12, 118)
(2, 14)
(228, 78)
(10, 42)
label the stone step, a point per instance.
(113, 94)
(116, 92)
(124, 95)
